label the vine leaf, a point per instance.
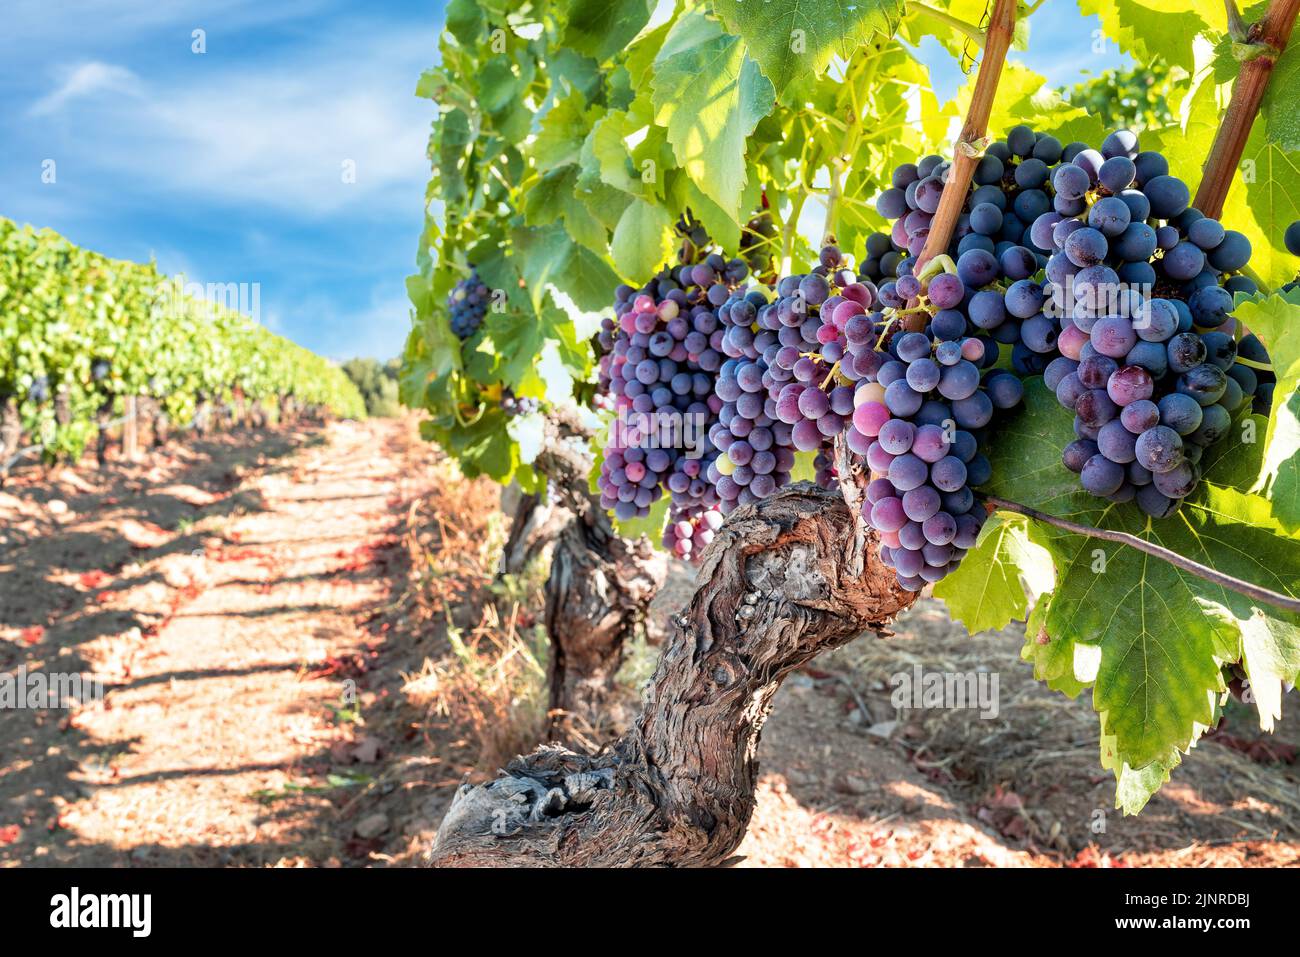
(465, 21)
(559, 140)
(1281, 120)
(1263, 201)
(547, 255)
(1275, 320)
(790, 38)
(709, 95)
(1135, 786)
(1150, 637)
(643, 240)
(986, 592)
(552, 198)
(1158, 28)
(601, 28)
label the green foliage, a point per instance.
(63, 307)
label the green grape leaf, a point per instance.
(1281, 119)
(607, 158)
(454, 138)
(601, 28)
(498, 85)
(547, 255)
(793, 38)
(1053, 656)
(643, 241)
(1159, 634)
(985, 593)
(587, 279)
(709, 96)
(465, 21)
(1135, 787)
(1276, 320)
(684, 194)
(563, 129)
(579, 72)
(552, 197)
(1158, 28)
(1263, 201)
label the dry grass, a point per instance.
(492, 688)
(485, 678)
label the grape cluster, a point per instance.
(1092, 265)
(39, 390)
(690, 529)
(919, 421)
(1152, 381)
(849, 362)
(756, 450)
(468, 304)
(513, 405)
(997, 244)
(662, 352)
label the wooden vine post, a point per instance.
(970, 144)
(1262, 45)
(787, 578)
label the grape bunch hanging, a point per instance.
(1086, 266)
(467, 304)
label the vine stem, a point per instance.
(1246, 588)
(1267, 39)
(1002, 26)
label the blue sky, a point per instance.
(228, 165)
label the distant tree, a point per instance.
(377, 384)
(1135, 98)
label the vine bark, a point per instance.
(599, 588)
(786, 579)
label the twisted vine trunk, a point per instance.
(599, 588)
(11, 431)
(786, 579)
(103, 415)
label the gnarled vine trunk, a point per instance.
(599, 588)
(786, 579)
(11, 432)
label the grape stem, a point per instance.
(1246, 588)
(1002, 26)
(1269, 36)
(1251, 363)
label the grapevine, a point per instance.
(1011, 349)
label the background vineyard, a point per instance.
(64, 309)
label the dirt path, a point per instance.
(226, 687)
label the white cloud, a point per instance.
(281, 134)
(87, 80)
